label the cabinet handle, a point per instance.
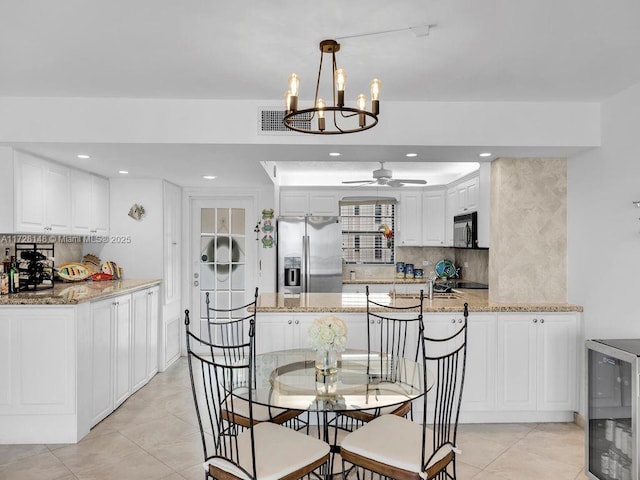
(542, 320)
(371, 322)
(379, 322)
(290, 322)
(459, 320)
(535, 320)
(297, 322)
(453, 320)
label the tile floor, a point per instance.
(154, 435)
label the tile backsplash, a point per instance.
(66, 248)
(476, 268)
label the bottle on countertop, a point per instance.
(7, 261)
(14, 277)
(4, 281)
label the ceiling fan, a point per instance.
(383, 176)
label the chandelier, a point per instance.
(335, 118)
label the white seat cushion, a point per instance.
(260, 412)
(394, 441)
(279, 452)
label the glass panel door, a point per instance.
(610, 447)
(222, 263)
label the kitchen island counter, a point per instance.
(357, 302)
(72, 293)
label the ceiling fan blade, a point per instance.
(359, 181)
(397, 181)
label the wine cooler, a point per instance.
(613, 394)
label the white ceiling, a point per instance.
(489, 50)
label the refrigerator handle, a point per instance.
(307, 261)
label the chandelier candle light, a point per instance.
(327, 336)
(344, 118)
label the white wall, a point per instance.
(142, 256)
(603, 224)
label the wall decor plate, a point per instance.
(73, 272)
(445, 269)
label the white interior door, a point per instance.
(223, 256)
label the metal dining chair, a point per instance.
(390, 333)
(259, 451)
(398, 448)
(229, 327)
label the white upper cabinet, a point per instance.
(303, 202)
(467, 196)
(409, 216)
(89, 204)
(433, 214)
(52, 199)
(42, 196)
(420, 218)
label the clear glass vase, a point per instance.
(326, 362)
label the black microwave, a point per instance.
(465, 230)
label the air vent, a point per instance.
(270, 122)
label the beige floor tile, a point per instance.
(487, 475)
(128, 415)
(193, 473)
(44, 466)
(505, 433)
(565, 446)
(176, 476)
(138, 466)
(465, 471)
(181, 453)
(529, 466)
(100, 451)
(158, 432)
(478, 450)
(9, 453)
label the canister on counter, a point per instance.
(408, 270)
(399, 269)
(418, 273)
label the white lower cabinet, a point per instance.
(537, 361)
(124, 348)
(282, 332)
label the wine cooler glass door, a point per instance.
(611, 430)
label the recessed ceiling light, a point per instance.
(83, 156)
(411, 155)
(208, 177)
(123, 172)
(335, 154)
(485, 154)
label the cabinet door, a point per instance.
(323, 204)
(272, 332)
(139, 338)
(294, 203)
(30, 194)
(556, 361)
(172, 239)
(57, 199)
(153, 295)
(409, 228)
(517, 350)
(433, 214)
(81, 203)
(102, 330)
(100, 205)
(479, 392)
(451, 208)
(122, 354)
(472, 195)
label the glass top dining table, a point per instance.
(288, 379)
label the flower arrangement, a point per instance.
(387, 233)
(328, 333)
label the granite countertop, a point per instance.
(382, 281)
(72, 293)
(357, 302)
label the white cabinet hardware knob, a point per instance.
(542, 320)
(371, 322)
(297, 322)
(459, 320)
(196, 283)
(453, 320)
(290, 322)
(535, 320)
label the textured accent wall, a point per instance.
(528, 234)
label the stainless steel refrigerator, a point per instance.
(309, 254)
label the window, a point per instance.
(362, 237)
